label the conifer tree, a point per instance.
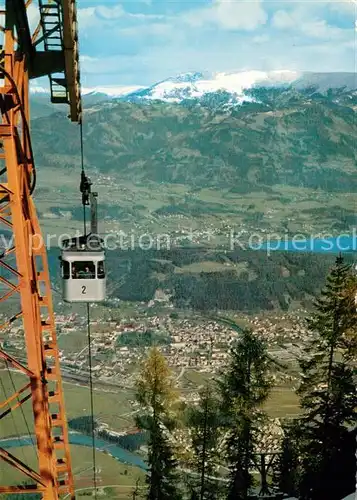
(243, 389)
(328, 395)
(157, 396)
(204, 423)
(286, 470)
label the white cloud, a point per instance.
(261, 39)
(320, 29)
(101, 16)
(111, 65)
(313, 5)
(300, 21)
(348, 6)
(111, 13)
(283, 19)
(159, 62)
(279, 53)
(33, 16)
(215, 37)
(229, 15)
(154, 29)
(87, 18)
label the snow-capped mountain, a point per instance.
(230, 87)
(198, 85)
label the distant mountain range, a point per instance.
(234, 86)
(220, 88)
(284, 135)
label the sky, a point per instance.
(141, 42)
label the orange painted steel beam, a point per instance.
(8, 283)
(9, 294)
(8, 252)
(71, 54)
(32, 282)
(2, 219)
(12, 460)
(14, 362)
(14, 396)
(16, 405)
(9, 268)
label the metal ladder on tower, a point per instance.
(51, 22)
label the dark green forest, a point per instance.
(268, 282)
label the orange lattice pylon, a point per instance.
(29, 277)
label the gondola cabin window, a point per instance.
(101, 271)
(65, 270)
(83, 270)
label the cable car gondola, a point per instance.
(83, 258)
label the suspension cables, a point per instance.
(4, 391)
(83, 177)
(91, 400)
(84, 188)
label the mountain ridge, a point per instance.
(285, 136)
(196, 85)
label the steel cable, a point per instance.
(89, 333)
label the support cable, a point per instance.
(21, 409)
(13, 420)
(83, 179)
(82, 173)
(91, 400)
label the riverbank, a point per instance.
(76, 438)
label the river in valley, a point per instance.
(77, 438)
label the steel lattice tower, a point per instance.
(51, 50)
